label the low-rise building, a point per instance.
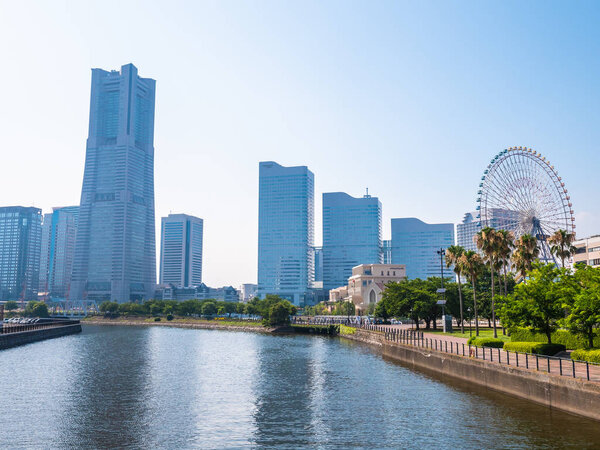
(367, 283)
(200, 292)
(588, 251)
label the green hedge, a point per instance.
(564, 337)
(586, 355)
(538, 348)
(486, 342)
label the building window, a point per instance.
(372, 297)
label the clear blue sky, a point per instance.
(411, 99)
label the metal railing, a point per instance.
(541, 363)
(8, 328)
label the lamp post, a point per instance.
(469, 311)
(442, 253)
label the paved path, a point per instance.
(458, 345)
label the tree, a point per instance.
(240, 308)
(209, 308)
(109, 307)
(487, 240)
(279, 313)
(504, 250)
(36, 309)
(472, 264)
(525, 253)
(537, 303)
(11, 305)
(584, 309)
(561, 245)
(344, 309)
(409, 298)
(453, 254)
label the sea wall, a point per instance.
(573, 395)
(26, 337)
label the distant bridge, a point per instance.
(72, 308)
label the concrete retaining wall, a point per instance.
(573, 395)
(26, 337)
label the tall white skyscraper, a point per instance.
(181, 250)
(115, 251)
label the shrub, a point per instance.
(538, 348)
(157, 319)
(169, 316)
(569, 340)
(486, 342)
(346, 330)
(586, 355)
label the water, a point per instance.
(149, 387)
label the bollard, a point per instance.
(507, 357)
(548, 361)
(537, 363)
(573, 361)
(526, 361)
(463, 346)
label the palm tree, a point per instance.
(505, 246)
(472, 264)
(453, 254)
(562, 245)
(487, 240)
(526, 251)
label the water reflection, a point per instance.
(150, 387)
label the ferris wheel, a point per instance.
(521, 191)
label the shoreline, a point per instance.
(190, 324)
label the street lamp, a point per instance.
(469, 311)
(442, 291)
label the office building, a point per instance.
(415, 245)
(248, 291)
(588, 251)
(366, 285)
(115, 251)
(285, 231)
(351, 235)
(500, 219)
(181, 250)
(200, 292)
(387, 251)
(20, 243)
(59, 231)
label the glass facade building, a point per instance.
(285, 232)
(351, 236)
(501, 219)
(181, 250)
(20, 245)
(415, 244)
(115, 251)
(59, 231)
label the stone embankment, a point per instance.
(573, 395)
(25, 337)
(201, 325)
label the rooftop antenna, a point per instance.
(367, 194)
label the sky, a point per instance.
(410, 99)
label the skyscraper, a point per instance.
(115, 254)
(500, 219)
(59, 231)
(181, 250)
(285, 231)
(20, 241)
(415, 244)
(351, 236)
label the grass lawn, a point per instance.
(483, 332)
